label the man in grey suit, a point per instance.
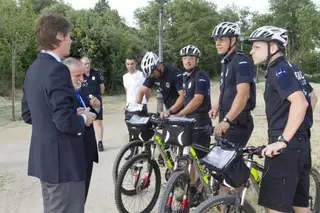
(49, 104)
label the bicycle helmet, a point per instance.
(149, 63)
(190, 50)
(226, 29)
(269, 33)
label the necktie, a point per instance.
(80, 99)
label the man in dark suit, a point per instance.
(89, 139)
(49, 104)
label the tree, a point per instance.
(186, 22)
(101, 6)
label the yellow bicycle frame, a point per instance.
(200, 167)
(160, 144)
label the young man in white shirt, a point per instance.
(132, 81)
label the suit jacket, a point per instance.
(89, 138)
(56, 151)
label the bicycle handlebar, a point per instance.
(251, 150)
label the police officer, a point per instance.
(93, 84)
(167, 79)
(285, 183)
(237, 88)
(197, 104)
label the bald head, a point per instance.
(86, 62)
(76, 71)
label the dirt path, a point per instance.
(20, 193)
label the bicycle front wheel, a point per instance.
(212, 205)
(143, 189)
(133, 148)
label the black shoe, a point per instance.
(100, 146)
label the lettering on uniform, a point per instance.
(243, 62)
(299, 75)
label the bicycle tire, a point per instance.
(316, 176)
(222, 199)
(117, 160)
(162, 208)
(118, 187)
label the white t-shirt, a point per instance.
(133, 82)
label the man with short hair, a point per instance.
(132, 81)
(90, 148)
(93, 85)
(289, 100)
(48, 103)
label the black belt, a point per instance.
(278, 132)
(200, 115)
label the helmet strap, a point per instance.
(265, 65)
(230, 47)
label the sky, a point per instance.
(126, 8)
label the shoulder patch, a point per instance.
(280, 72)
(243, 62)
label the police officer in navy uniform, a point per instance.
(93, 85)
(288, 94)
(168, 80)
(237, 88)
(197, 104)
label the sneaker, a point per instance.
(100, 146)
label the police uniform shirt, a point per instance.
(91, 83)
(197, 82)
(169, 83)
(282, 80)
(236, 68)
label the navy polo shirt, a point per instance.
(197, 82)
(91, 83)
(236, 68)
(169, 83)
(282, 80)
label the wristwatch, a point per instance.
(281, 139)
(225, 119)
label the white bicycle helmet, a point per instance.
(226, 29)
(149, 63)
(190, 50)
(269, 33)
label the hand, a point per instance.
(80, 110)
(94, 102)
(214, 112)
(221, 128)
(273, 149)
(90, 116)
(164, 114)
